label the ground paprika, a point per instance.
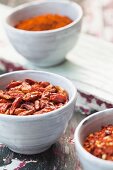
(44, 22)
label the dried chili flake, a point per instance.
(26, 88)
(4, 96)
(29, 81)
(13, 84)
(27, 106)
(15, 94)
(37, 105)
(18, 111)
(4, 107)
(58, 98)
(30, 97)
(3, 101)
(43, 103)
(51, 89)
(100, 143)
(44, 83)
(15, 104)
(27, 112)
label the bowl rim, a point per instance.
(45, 115)
(86, 154)
(23, 6)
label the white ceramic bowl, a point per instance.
(44, 48)
(35, 133)
(91, 124)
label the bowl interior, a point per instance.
(94, 123)
(23, 12)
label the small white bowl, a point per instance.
(35, 133)
(44, 48)
(92, 124)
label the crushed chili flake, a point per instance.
(100, 143)
(30, 97)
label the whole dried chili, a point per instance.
(30, 97)
(100, 143)
(44, 22)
